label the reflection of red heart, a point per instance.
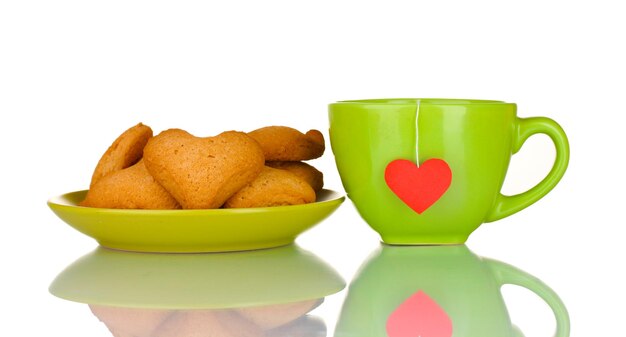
(419, 315)
(419, 187)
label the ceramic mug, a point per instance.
(429, 171)
(436, 291)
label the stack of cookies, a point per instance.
(177, 170)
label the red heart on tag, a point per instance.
(419, 315)
(419, 187)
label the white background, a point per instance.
(75, 74)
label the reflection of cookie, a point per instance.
(305, 326)
(272, 316)
(130, 188)
(203, 172)
(130, 321)
(125, 151)
(286, 144)
(273, 187)
(209, 323)
(304, 171)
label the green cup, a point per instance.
(437, 291)
(430, 171)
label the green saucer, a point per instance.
(192, 231)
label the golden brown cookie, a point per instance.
(130, 321)
(272, 316)
(209, 323)
(203, 172)
(304, 171)
(273, 187)
(125, 151)
(130, 188)
(282, 143)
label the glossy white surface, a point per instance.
(73, 75)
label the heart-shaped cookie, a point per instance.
(125, 151)
(129, 188)
(282, 143)
(203, 172)
(273, 187)
(304, 171)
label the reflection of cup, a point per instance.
(443, 291)
(462, 147)
(256, 293)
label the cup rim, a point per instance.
(422, 101)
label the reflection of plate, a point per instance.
(185, 231)
(197, 281)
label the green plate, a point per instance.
(197, 281)
(193, 231)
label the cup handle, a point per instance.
(526, 127)
(507, 274)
